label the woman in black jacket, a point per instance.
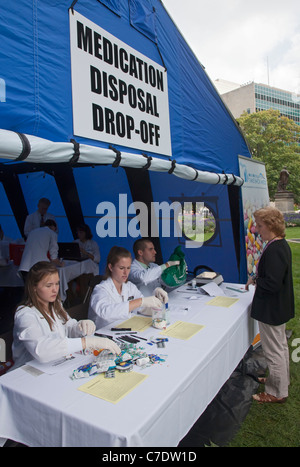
(273, 302)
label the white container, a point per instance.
(159, 318)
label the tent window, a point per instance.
(143, 18)
(190, 213)
(113, 5)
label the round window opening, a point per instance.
(198, 222)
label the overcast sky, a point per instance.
(240, 40)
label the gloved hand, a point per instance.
(96, 343)
(173, 263)
(86, 327)
(161, 295)
(151, 302)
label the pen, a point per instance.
(120, 329)
(237, 290)
(139, 337)
(103, 335)
(127, 332)
(187, 291)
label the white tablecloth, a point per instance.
(9, 276)
(73, 269)
(4, 249)
(48, 410)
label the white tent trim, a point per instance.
(28, 148)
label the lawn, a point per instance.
(276, 425)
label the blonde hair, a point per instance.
(115, 254)
(273, 218)
(37, 273)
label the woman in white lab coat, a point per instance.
(89, 248)
(42, 328)
(115, 298)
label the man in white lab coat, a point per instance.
(38, 218)
(145, 273)
(40, 241)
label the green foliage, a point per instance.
(274, 140)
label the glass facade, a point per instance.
(286, 102)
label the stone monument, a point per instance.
(284, 200)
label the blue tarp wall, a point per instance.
(35, 66)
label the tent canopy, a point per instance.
(107, 98)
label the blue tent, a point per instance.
(102, 98)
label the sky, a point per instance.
(243, 41)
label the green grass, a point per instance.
(276, 425)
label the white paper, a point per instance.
(212, 289)
(58, 365)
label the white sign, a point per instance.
(255, 195)
(119, 95)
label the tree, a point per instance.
(274, 140)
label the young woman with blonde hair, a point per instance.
(43, 330)
(115, 298)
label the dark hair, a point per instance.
(45, 201)
(50, 223)
(85, 228)
(115, 254)
(140, 244)
(34, 276)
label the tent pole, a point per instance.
(141, 190)
(15, 196)
(66, 185)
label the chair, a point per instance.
(95, 280)
(79, 312)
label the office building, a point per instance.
(253, 97)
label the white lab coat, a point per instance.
(33, 221)
(146, 278)
(33, 338)
(107, 305)
(37, 245)
(90, 246)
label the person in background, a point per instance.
(273, 302)
(3, 237)
(115, 298)
(88, 248)
(145, 273)
(43, 330)
(39, 243)
(38, 218)
(4, 247)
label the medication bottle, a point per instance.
(159, 317)
(194, 284)
(167, 314)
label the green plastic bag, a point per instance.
(174, 276)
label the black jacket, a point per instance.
(273, 301)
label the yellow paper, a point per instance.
(182, 330)
(113, 389)
(222, 301)
(137, 323)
